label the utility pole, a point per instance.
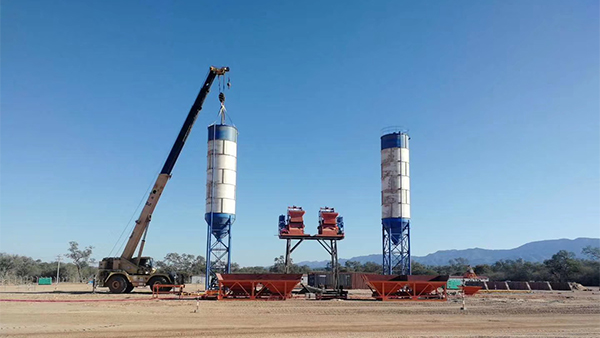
(58, 269)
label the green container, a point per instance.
(454, 284)
(45, 281)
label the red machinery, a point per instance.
(470, 290)
(470, 276)
(411, 287)
(294, 225)
(329, 224)
(266, 286)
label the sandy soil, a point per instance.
(548, 314)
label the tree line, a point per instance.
(562, 266)
(17, 269)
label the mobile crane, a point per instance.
(122, 274)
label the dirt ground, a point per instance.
(542, 314)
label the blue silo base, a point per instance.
(396, 246)
(219, 223)
(395, 227)
(218, 246)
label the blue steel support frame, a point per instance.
(218, 256)
(396, 257)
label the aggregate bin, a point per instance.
(257, 286)
(408, 287)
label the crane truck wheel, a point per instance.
(117, 284)
(159, 280)
(129, 288)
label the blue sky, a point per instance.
(500, 98)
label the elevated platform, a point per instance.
(329, 243)
(312, 237)
(331, 230)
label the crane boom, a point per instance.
(143, 221)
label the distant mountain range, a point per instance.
(532, 252)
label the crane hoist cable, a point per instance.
(222, 85)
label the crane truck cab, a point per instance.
(121, 275)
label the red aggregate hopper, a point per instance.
(411, 287)
(470, 290)
(267, 286)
